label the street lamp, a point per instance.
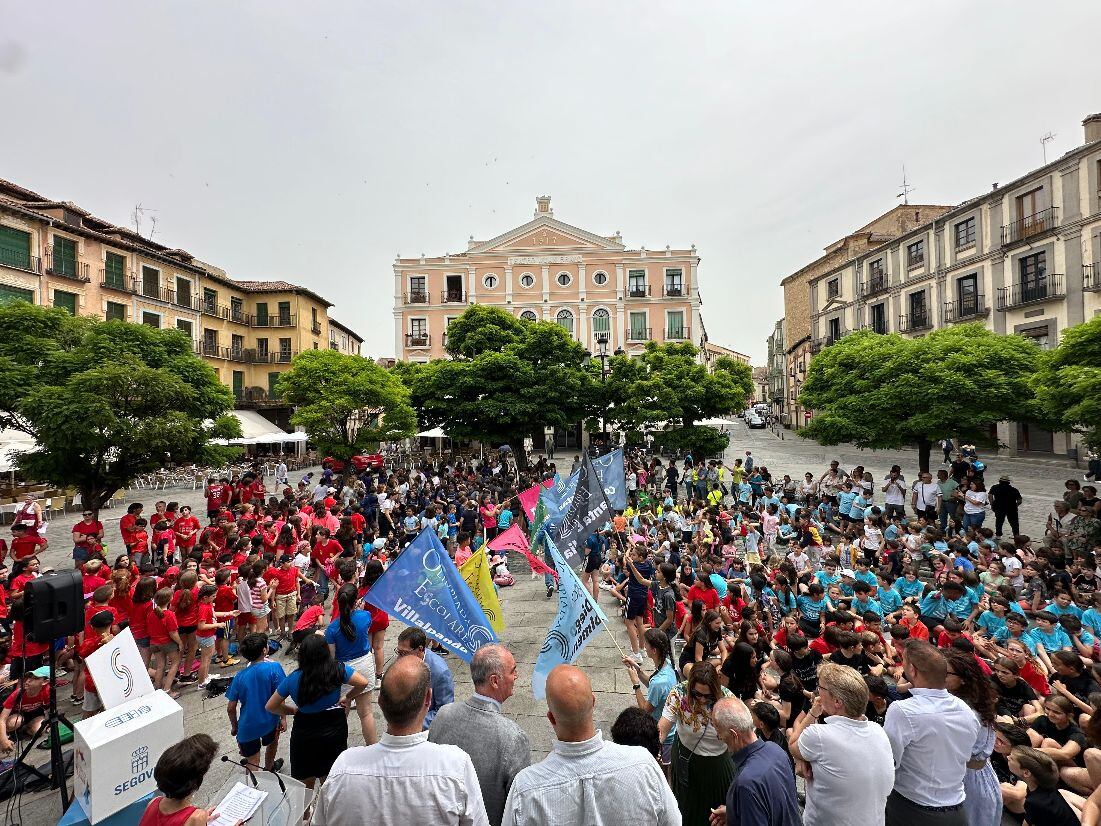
(602, 354)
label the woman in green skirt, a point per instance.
(701, 767)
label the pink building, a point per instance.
(545, 269)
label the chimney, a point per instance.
(1092, 125)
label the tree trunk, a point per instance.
(521, 457)
(925, 446)
(95, 498)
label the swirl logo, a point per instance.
(477, 636)
(556, 640)
(122, 671)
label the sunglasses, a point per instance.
(705, 698)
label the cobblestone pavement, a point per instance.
(528, 612)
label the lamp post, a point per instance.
(603, 355)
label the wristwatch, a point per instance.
(637, 686)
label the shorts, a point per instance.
(164, 648)
(636, 607)
(364, 665)
(141, 642)
(91, 702)
(261, 612)
(593, 563)
(187, 629)
(81, 554)
(244, 620)
(205, 642)
(250, 747)
(286, 605)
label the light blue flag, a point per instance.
(422, 587)
(612, 475)
(579, 619)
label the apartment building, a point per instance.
(590, 284)
(711, 352)
(1024, 258)
(777, 395)
(57, 254)
(344, 339)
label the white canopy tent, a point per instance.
(256, 430)
(12, 442)
(434, 433)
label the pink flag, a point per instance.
(514, 540)
(530, 498)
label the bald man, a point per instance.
(586, 781)
(402, 778)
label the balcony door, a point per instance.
(1033, 276)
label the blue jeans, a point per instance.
(947, 510)
(973, 520)
(322, 583)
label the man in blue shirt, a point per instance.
(762, 792)
(413, 642)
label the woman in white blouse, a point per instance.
(974, 504)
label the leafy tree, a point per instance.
(347, 404)
(886, 391)
(106, 400)
(667, 384)
(1068, 384)
(507, 378)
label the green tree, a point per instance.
(106, 400)
(347, 404)
(506, 379)
(886, 391)
(666, 384)
(1068, 383)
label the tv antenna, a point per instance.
(906, 188)
(1044, 141)
(139, 213)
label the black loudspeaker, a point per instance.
(54, 606)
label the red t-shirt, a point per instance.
(92, 643)
(323, 552)
(25, 546)
(215, 536)
(186, 524)
(358, 522)
(161, 626)
(28, 702)
(708, 596)
(90, 611)
(19, 584)
(122, 605)
(820, 645)
(139, 619)
(225, 599)
(206, 615)
(190, 616)
(309, 618)
(91, 583)
(284, 579)
(126, 527)
(215, 497)
(138, 542)
(87, 531)
(21, 647)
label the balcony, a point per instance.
(279, 320)
(1042, 288)
(452, 297)
(272, 356)
(213, 308)
(678, 334)
(238, 315)
(674, 290)
(638, 291)
(416, 297)
(76, 270)
(418, 340)
(966, 309)
(1030, 225)
(188, 300)
(638, 334)
(914, 322)
(210, 349)
(315, 328)
(1091, 277)
(825, 341)
(112, 282)
(19, 260)
(157, 293)
(874, 285)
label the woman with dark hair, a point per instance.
(320, 731)
(349, 638)
(380, 620)
(701, 769)
(983, 800)
(792, 700)
(742, 670)
(652, 691)
(707, 643)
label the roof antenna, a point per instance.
(906, 188)
(138, 213)
(1044, 141)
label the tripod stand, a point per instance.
(57, 776)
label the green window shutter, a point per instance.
(15, 248)
(116, 311)
(65, 300)
(64, 256)
(272, 379)
(9, 294)
(238, 384)
(114, 273)
(262, 314)
(284, 313)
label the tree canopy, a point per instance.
(506, 379)
(1068, 383)
(886, 391)
(106, 400)
(667, 384)
(346, 404)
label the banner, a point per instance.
(588, 511)
(422, 587)
(478, 577)
(579, 618)
(118, 671)
(613, 477)
(514, 540)
(528, 498)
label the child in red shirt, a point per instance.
(164, 642)
(25, 544)
(93, 576)
(95, 637)
(312, 619)
(225, 600)
(185, 604)
(137, 542)
(210, 622)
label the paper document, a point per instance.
(240, 804)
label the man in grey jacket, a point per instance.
(497, 746)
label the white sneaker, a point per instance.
(604, 586)
(637, 657)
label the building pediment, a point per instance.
(545, 233)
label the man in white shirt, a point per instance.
(852, 767)
(894, 488)
(402, 779)
(585, 780)
(933, 735)
(925, 498)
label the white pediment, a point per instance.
(545, 233)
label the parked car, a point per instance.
(755, 421)
(361, 462)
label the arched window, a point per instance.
(527, 281)
(529, 315)
(565, 320)
(564, 279)
(602, 322)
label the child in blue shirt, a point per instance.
(1049, 636)
(1015, 625)
(1063, 604)
(992, 620)
(863, 600)
(890, 600)
(908, 585)
(1091, 617)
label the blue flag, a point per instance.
(613, 477)
(579, 619)
(422, 587)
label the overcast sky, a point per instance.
(313, 142)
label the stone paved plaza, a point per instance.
(528, 612)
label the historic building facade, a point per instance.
(590, 284)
